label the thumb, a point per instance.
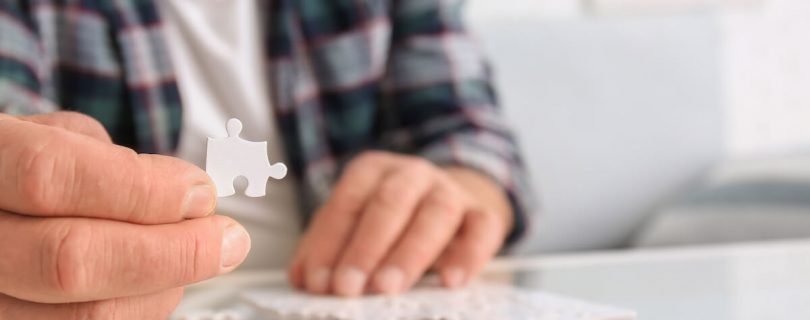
(48, 171)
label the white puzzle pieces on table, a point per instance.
(231, 157)
(478, 301)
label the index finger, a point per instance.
(60, 260)
(49, 171)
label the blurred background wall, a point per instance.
(621, 105)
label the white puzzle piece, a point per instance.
(231, 157)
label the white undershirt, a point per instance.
(216, 50)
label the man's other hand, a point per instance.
(392, 217)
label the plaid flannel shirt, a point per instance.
(345, 76)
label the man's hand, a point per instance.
(91, 230)
(391, 217)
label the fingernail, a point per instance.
(235, 247)
(389, 280)
(318, 280)
(350, 281)
(200, 201)
(453, 277)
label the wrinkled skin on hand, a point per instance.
(92, 230)
(392, 217)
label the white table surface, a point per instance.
(726, 282)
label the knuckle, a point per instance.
(77, 119)
(80, 122)
(194, 263)
(345, 201)
(46, 175)
(446, 204)
(66, 259)
(372, 156)
(390, 195)
(185, 258)
(196, 257)
(420, 165)
(139, 186)
(340, 209)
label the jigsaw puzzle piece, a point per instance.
(232, 157)
(257, 182)
(224, 183)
